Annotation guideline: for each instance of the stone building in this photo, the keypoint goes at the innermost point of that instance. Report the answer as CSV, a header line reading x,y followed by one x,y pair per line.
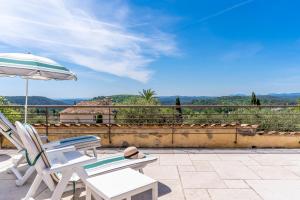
x,y
87,112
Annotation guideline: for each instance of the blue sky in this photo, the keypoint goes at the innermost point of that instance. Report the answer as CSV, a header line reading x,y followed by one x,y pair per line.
x,y
207,47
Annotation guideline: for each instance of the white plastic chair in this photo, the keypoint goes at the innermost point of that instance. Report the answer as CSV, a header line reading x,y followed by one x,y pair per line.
x,y
59,166
88,142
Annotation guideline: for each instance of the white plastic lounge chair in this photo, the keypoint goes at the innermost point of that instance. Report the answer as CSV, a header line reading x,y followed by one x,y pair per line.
x,y
58,167
88,142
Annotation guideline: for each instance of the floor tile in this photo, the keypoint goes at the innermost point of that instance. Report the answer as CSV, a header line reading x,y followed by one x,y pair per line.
x,y
170,190
162,172
276,189
201,180
233,170
274,172
186,168
175,159
204,157
196,194
237,157
233,194
236,184
204,166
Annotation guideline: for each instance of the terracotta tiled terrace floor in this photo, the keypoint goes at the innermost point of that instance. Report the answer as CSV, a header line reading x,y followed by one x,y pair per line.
x,y
198,174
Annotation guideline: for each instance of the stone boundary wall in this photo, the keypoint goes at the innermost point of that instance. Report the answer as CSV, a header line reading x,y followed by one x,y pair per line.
x,y
212,136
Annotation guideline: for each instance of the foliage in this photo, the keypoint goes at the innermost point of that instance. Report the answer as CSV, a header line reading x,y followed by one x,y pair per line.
x,y
116,99
244,100
148,94
12,114
286,119
142,115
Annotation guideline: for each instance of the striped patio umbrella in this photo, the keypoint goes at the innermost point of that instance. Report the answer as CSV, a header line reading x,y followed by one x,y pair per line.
x,y
29,66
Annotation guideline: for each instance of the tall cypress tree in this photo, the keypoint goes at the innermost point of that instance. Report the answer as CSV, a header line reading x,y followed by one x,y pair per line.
x,y
178,111
257,102
253,99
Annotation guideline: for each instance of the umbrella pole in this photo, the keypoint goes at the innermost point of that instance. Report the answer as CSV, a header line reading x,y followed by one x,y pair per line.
x,y
26,101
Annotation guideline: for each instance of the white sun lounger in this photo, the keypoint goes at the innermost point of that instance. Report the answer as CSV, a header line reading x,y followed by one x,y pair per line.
x,y
59,166
88,142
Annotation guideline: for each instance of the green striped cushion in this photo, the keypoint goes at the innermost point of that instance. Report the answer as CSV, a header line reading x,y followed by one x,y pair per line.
x,y
104,161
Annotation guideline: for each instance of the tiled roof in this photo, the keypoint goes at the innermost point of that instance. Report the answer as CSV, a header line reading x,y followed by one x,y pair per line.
x,y
77,109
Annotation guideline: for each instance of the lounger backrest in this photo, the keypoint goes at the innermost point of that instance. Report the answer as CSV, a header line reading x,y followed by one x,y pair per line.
x,y
33,145
10,132
39,144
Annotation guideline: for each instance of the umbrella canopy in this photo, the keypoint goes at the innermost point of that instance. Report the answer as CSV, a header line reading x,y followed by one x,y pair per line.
x,y
29,66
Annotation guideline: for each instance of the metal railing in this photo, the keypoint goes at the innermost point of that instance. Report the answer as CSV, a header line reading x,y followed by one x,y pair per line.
x,y
268,117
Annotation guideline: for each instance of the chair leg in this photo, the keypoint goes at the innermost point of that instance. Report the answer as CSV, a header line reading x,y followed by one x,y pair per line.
x,y
88,194
155,191
14,168
25,177
62,184
95,152
33,188
16,172
86,152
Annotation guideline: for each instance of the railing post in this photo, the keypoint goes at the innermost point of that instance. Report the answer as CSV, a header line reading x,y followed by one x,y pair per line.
x,y
47,122
173,124
236,136
109,124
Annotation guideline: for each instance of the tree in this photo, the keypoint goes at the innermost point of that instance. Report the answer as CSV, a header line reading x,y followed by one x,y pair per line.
x,y
258,102
254,100
13,114
178,111
148,94
143,114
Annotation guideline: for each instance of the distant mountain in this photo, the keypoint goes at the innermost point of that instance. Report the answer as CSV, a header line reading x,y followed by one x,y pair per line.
x,y
286,95
237,99
33,100
170,100
71,101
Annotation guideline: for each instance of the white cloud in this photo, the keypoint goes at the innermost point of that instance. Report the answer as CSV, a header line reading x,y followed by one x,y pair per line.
x,y
94,34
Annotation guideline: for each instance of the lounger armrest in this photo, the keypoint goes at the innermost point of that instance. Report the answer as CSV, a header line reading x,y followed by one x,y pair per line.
x,y
59,154
61,150
51,145
71,164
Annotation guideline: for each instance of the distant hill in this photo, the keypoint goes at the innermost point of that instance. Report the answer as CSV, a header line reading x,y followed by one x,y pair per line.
x,y
245,100
270,99
170,100
33,100
72,101
116,98
286,95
